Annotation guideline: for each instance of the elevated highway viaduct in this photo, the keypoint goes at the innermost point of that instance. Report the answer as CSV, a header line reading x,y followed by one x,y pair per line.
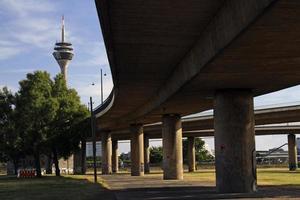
x,y
174,58
268,122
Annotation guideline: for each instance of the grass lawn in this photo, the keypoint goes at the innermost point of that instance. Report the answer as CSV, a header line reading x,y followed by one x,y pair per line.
x,y
275,176
51,188
75,187
265,176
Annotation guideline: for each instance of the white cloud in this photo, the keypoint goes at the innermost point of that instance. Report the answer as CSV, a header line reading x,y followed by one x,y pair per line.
x,y
7,52
26,7
8,48
94,54
25,28
22,71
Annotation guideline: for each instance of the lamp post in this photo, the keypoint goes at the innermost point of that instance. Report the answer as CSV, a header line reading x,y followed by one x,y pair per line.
x,y
93,127
94,139
102,86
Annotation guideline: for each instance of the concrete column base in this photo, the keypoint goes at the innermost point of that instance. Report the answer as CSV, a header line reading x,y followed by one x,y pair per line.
x,y
137,150
172,147
146,155
234,141
106,153
292,147
191,154
115,157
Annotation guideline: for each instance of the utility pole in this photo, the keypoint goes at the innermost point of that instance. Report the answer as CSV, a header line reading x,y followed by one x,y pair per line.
x,y
101,88
94,139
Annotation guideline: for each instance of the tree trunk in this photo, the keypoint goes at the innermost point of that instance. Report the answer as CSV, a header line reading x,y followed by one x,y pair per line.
x,y
49,164
55,160
37,163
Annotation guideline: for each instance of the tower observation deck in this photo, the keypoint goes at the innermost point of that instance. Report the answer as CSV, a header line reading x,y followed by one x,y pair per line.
x,y
63,52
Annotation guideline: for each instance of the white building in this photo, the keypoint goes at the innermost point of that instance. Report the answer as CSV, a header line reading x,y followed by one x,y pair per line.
x,y
89,149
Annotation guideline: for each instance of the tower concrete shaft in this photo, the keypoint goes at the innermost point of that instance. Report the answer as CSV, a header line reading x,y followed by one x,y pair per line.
x,y
63,52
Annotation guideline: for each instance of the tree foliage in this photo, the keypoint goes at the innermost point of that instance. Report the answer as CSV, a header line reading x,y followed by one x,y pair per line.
x,y
43,117
36,110
69,124
156,154
11,146
201,153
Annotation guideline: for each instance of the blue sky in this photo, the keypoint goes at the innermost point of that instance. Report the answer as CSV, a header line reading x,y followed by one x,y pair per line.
x,y
30,28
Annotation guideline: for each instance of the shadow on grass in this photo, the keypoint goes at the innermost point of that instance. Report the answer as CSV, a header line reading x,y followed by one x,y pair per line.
x,y
207,192
51,187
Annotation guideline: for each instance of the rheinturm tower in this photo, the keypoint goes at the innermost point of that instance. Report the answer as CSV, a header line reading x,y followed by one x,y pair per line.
x,y
63,52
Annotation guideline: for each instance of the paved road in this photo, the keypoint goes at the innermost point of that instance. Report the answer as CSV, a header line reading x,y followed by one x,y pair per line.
x,y
152,187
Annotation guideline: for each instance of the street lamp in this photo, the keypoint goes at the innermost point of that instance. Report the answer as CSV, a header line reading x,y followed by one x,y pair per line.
x,y
93,127
94,139
102,86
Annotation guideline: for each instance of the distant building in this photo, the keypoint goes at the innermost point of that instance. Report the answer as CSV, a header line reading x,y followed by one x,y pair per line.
x,y
275,156
272,156
89,149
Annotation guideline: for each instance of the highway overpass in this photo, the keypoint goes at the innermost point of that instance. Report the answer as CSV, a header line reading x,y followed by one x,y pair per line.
x,y
205,122
174,58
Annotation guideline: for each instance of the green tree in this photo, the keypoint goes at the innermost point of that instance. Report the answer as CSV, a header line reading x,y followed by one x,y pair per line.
x,y
201,153
44,117
10,141
36,110
69,125
156,154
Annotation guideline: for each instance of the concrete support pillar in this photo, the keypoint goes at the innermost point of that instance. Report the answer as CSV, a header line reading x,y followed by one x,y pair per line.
x,y
137,150
146,155
293,162
115,157
106,152
234,141
76,161
172,147
191,154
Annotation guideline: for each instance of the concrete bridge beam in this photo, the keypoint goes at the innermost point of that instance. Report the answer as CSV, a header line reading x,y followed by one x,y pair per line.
x,y
172,147
106,152
115,157
137,150
191,154
235,141
292,147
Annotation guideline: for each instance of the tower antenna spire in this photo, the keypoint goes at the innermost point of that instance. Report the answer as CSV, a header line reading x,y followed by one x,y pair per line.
x,y
63,51
63,29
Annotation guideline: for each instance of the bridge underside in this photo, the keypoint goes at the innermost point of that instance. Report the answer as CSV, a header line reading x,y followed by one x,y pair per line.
x,y
173,58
